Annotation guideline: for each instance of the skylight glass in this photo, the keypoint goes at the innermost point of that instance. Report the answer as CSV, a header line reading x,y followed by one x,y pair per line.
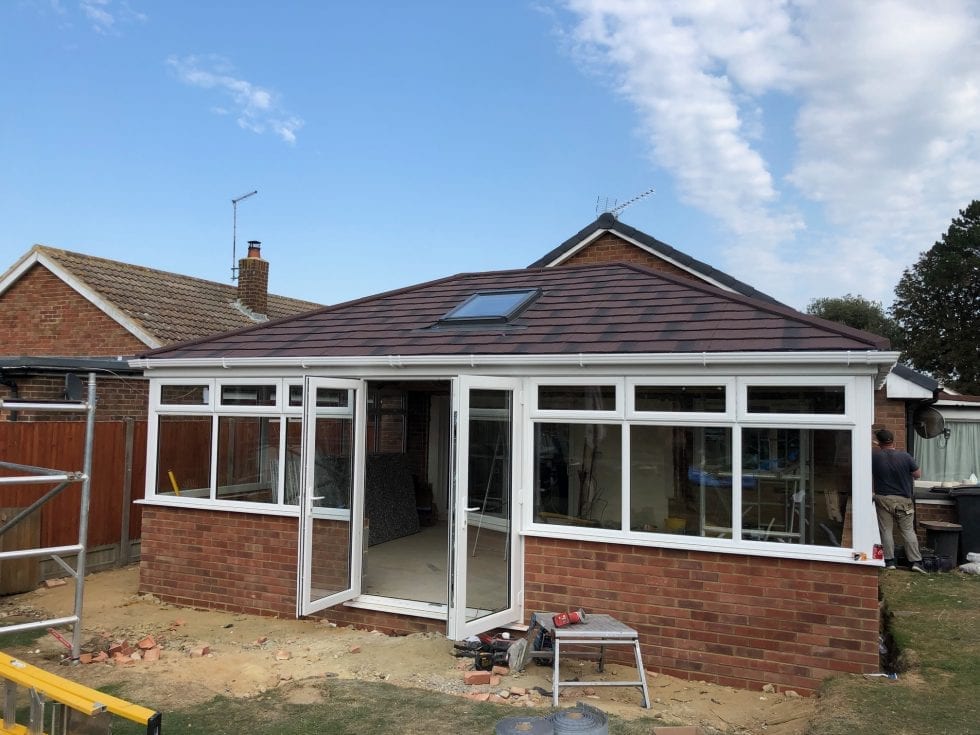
x,y
491,306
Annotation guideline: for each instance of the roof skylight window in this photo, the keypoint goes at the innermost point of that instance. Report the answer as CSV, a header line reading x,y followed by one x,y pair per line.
x,y
491,307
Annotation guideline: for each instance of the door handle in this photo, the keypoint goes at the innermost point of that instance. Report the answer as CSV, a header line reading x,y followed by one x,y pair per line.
x,y
319,497
473,509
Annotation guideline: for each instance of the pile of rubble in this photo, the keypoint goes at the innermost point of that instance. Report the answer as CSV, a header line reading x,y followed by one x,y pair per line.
x,y
121,652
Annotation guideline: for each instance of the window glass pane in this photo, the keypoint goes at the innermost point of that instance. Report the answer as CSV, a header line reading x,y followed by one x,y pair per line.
x,y
796,485
294,468
184,456
577,397
578,474
815,399
248,395
705,398
325,397
492,306
681,480
248,458
184,395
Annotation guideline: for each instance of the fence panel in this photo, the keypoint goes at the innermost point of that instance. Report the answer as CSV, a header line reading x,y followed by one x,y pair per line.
x,y
61,445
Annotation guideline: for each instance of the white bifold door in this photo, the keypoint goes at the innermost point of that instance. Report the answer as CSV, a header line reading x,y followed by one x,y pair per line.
x,y
483,550
331,497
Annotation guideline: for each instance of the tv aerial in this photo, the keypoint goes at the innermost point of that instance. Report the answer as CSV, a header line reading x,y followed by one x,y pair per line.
x,y
234,232
614,208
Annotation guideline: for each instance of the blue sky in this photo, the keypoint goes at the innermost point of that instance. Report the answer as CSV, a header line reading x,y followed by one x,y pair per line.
x,y
809,148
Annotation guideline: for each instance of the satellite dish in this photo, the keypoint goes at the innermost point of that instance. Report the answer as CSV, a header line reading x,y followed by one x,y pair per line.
x,y
929,423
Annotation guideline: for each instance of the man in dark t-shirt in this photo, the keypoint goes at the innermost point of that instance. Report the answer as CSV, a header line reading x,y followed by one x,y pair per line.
x,y
893,473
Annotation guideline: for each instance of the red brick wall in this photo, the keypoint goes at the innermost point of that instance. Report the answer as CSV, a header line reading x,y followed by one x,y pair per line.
x,y
116,397
890,414
944,510
41,315
223,561
608,248
735,620
240,562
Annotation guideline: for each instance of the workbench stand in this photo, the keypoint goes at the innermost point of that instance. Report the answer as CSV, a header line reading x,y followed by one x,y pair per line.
x,y
597,630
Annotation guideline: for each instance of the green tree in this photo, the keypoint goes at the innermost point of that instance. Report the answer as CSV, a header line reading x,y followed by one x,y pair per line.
x,y
937,306
857,312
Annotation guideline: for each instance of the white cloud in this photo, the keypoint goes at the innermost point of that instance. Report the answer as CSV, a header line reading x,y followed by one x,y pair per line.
x,y
886,135
104,14
255,108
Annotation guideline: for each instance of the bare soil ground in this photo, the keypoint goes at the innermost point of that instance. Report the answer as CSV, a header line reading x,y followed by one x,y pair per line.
x,y
249,655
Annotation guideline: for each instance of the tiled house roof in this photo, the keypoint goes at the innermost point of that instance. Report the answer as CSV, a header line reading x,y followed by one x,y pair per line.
x,y
607,223
612,308
159,306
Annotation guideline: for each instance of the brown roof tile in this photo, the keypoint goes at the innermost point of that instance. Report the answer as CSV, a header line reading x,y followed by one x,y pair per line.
x,y
606,308
172,307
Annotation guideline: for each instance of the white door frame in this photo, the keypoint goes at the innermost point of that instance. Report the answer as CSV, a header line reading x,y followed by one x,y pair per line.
x,y
457,625
306,604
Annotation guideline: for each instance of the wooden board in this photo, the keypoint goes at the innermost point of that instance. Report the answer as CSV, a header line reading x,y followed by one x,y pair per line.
x,y
19,575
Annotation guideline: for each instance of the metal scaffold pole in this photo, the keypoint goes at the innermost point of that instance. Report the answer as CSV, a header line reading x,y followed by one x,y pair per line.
x,y
76,638
38,475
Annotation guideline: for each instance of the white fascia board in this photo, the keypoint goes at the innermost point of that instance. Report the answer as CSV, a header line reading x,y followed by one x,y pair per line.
x,y
118,316
899,388
850,359
646,248
569,253
18,269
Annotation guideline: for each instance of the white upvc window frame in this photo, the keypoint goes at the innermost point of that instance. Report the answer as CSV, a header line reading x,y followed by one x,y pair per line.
x,y
276,408
736,418
157,407
580,416
682,417
744,416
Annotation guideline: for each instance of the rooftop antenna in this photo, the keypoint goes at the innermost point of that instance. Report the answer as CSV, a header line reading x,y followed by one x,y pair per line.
x,y
629,202
234,232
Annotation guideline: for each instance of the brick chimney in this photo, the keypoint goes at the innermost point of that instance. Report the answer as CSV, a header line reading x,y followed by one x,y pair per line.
x,y
253,279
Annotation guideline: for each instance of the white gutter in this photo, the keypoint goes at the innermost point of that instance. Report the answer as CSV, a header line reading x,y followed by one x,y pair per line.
x,y
848,358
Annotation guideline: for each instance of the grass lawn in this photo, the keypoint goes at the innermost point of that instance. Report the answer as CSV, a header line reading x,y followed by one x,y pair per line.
x,y
935,621
352,708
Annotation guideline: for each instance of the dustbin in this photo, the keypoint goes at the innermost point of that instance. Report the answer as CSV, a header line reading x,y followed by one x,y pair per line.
x,y
943,538
967,499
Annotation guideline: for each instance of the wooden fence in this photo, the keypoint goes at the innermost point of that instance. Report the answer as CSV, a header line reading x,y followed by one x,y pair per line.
x,y
118,471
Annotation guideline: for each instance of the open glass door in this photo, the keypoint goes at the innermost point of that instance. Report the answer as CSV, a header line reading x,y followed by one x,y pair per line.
x,y
484,556
331,497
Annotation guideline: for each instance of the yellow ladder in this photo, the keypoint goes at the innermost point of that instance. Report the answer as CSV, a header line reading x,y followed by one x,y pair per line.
x,y
43,686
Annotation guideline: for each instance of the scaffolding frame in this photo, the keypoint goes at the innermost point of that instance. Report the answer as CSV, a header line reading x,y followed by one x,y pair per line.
x,y
63,478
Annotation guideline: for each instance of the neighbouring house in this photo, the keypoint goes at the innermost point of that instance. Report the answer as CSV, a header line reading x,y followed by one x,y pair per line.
x,y
954,457
66,314
455,455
